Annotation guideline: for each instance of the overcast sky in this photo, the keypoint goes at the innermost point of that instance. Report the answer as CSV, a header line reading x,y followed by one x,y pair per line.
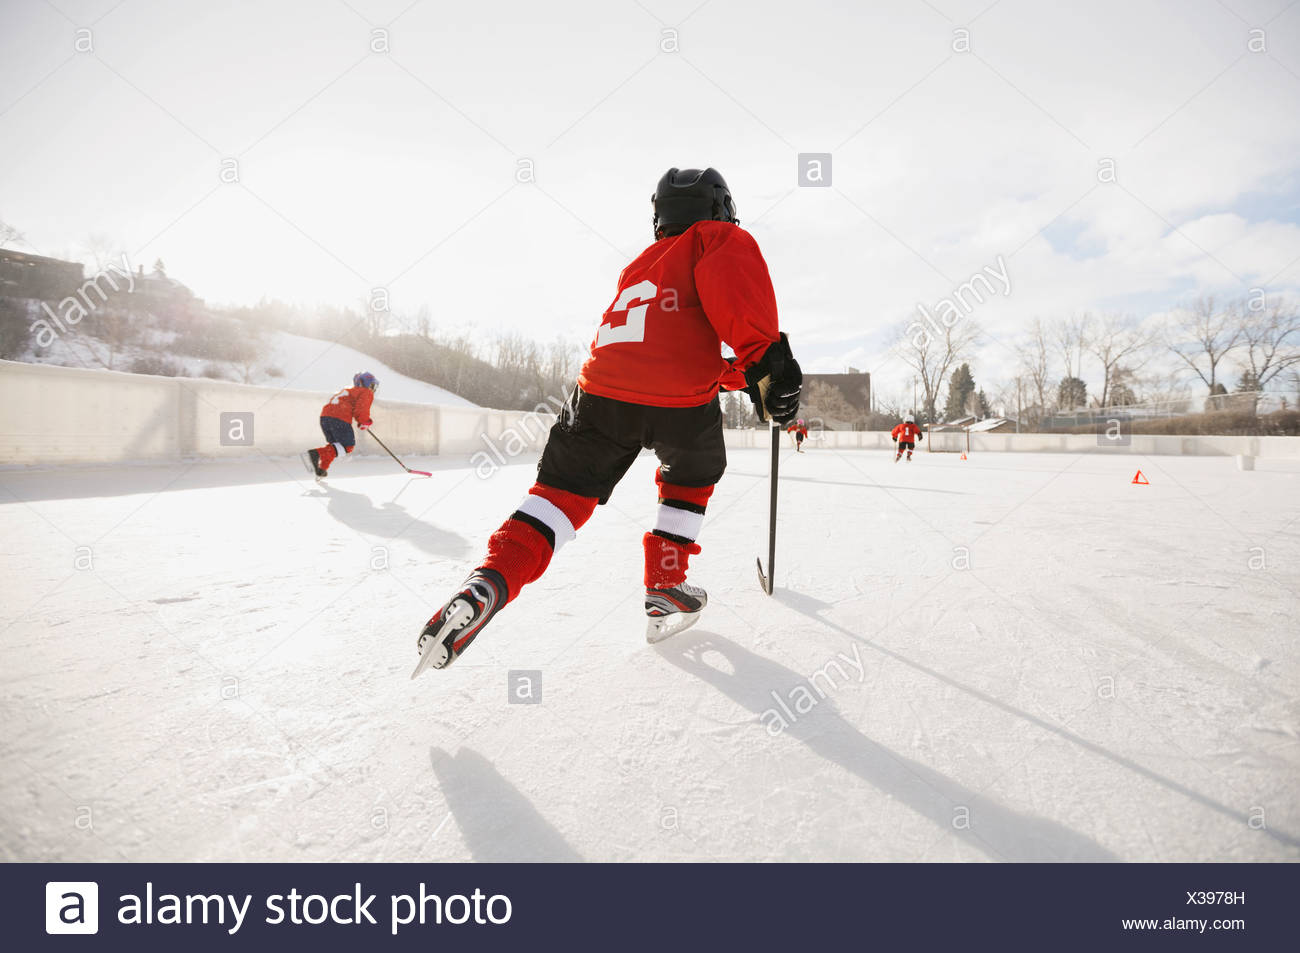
x,y
398,168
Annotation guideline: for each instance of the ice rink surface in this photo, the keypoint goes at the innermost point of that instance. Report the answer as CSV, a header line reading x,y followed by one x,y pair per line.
x,y
1013,657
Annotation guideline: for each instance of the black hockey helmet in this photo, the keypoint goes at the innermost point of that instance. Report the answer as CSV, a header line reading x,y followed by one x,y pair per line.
x,y
686,196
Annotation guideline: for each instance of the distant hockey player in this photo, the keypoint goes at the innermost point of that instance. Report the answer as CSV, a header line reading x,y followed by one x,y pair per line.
x,y
652,381
351,403
798,432
905,436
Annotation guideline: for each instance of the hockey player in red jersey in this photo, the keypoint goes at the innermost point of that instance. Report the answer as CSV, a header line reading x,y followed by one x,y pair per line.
x,y
351,403
798,432
905,436
651,381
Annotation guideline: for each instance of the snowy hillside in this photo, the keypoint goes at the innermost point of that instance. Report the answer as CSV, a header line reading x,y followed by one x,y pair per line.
x,y
274,357
1014,657
311,364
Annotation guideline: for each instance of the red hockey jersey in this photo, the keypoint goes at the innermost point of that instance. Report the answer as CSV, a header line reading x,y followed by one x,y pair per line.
x,y
660,341
351,403
905,432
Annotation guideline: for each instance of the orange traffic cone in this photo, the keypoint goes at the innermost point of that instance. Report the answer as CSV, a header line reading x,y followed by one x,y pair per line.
x,y
1141,480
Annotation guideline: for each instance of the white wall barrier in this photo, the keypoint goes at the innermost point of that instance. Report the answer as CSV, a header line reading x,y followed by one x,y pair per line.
x,y
70,415
1138,444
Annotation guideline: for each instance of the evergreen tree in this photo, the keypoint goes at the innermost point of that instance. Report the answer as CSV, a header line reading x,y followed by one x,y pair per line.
x,y
1122,390
1072,393
960,388
1121,395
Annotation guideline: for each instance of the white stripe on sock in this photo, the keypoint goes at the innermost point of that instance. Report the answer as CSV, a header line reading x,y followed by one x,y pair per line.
x,y
679,522
538,507
341,450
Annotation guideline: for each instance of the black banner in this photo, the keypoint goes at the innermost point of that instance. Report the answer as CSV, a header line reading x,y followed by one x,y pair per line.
x,y
648,907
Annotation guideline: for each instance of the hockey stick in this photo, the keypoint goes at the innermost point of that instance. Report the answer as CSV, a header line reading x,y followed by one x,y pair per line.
x,y
768,580
394,456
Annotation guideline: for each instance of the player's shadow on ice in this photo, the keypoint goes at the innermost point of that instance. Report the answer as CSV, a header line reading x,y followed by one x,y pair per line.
x,y
813,607
498,823
391,522
998,831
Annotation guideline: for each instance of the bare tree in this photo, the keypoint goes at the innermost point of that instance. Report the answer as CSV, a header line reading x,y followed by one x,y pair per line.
x,y
1008,398
933,355
1165,387
1271,336
1034,379
1071,336
115,331
893,403
1202,335
1118,340
9,235
736,411
103,249
250,352
563,359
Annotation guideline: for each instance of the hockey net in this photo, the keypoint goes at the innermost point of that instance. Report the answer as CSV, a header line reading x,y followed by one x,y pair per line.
x,y
947,441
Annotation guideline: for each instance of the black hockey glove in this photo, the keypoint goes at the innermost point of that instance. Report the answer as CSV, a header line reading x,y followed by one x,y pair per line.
x,y
774,383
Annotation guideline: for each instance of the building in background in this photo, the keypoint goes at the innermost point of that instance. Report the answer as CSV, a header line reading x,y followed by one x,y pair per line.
x,y
154,288
854,386
35,276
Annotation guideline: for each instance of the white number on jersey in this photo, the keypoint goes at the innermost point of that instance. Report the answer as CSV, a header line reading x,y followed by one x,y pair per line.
x,y
633,330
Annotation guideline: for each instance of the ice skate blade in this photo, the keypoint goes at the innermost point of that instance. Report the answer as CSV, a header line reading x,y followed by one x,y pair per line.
x,y
434,655
663,627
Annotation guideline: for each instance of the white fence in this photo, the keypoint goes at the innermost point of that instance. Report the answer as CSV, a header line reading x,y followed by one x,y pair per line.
x,y
69,415
1138,444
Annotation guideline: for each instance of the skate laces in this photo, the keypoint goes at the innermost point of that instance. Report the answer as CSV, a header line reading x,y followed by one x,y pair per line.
x,y
689,590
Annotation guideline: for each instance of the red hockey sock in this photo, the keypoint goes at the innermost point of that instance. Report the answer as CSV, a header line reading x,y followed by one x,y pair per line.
x,y
697,496
666,560
547,519
327,454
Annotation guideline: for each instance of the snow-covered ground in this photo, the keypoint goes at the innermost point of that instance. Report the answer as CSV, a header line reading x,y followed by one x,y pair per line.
x,y
312,364
284,361
222,674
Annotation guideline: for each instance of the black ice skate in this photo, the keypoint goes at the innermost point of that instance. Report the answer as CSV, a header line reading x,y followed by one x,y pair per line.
x,y
674,610
312,459
456,624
